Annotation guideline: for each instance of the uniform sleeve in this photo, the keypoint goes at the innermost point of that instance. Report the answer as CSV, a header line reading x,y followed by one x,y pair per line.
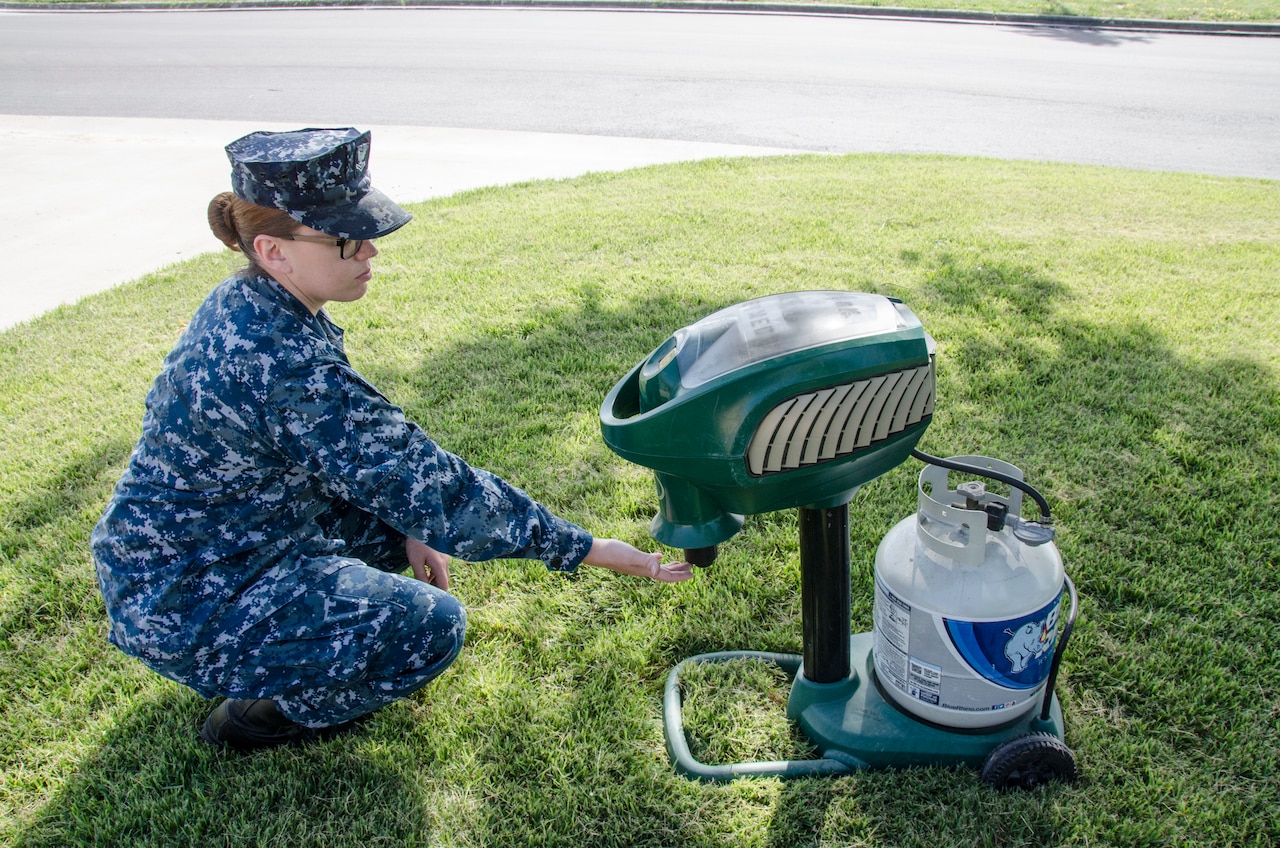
x,y
336,426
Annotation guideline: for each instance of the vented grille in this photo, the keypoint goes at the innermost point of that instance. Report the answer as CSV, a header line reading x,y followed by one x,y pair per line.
x,y
821,426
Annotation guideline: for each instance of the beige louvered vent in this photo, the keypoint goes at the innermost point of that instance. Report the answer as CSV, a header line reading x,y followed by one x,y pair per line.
x,y
821,426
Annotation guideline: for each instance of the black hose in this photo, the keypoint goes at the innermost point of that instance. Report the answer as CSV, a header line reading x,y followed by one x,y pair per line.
x,y
978,470
1061,650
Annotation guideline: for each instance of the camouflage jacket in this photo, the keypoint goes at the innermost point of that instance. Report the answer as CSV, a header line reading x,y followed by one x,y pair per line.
x,y
255,425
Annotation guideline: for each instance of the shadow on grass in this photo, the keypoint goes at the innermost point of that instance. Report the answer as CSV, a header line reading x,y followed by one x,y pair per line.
x,y
35,530
152,782
64,494
1162,472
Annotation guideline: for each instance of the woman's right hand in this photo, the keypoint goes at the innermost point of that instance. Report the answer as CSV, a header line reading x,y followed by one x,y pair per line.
x,y
623,558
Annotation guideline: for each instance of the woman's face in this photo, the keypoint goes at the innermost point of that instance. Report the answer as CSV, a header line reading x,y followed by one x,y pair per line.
x,y
315,272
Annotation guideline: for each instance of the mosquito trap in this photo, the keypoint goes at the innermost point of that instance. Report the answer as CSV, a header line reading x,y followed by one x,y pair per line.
x,y
794,401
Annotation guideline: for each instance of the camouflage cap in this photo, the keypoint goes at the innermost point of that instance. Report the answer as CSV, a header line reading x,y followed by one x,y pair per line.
x,y
319,176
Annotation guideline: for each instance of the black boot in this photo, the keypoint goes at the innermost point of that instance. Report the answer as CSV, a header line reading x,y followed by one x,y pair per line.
x,y
247,725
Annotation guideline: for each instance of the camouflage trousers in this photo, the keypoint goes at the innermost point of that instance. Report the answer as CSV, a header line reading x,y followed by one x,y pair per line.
x,y
359,638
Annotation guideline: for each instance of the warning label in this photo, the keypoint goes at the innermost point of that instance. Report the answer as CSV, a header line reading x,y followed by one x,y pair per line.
x,y
893,631
924,681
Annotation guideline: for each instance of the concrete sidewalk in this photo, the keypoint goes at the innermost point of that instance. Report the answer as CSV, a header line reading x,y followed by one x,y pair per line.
x,y
95,202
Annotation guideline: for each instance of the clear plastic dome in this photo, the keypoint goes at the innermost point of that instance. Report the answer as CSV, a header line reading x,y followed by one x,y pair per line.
x,y
772,326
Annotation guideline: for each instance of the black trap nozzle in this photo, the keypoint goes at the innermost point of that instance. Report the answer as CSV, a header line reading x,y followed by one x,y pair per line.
x,y
701,557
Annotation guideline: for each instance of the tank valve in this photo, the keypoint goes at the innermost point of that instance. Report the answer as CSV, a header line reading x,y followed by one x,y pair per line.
x,y
974,491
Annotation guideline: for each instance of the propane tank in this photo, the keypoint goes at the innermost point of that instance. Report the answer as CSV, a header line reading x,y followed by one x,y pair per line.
x,y
967,602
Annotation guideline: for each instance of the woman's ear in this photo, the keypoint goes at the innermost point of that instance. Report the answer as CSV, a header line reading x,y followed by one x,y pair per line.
x,y
270,257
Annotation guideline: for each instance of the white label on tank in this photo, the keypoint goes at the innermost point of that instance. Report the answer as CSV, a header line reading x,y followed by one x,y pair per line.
x,y
925,681
892,634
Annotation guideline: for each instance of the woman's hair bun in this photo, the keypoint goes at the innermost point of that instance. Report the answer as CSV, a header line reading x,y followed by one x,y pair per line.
x,y
222,221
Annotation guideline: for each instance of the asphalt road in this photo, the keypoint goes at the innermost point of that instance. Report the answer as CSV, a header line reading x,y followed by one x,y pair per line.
x,y
534,88
1208,104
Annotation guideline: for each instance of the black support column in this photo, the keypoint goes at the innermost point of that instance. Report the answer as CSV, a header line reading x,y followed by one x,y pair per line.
x,y
824,593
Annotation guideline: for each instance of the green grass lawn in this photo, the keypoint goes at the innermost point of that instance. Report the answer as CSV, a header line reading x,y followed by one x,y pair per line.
x,y
1114,333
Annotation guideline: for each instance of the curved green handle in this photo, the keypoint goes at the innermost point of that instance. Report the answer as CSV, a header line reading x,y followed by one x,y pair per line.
x,y
678,748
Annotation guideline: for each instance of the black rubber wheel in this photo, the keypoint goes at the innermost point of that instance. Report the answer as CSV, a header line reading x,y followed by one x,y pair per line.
x,y
1029,761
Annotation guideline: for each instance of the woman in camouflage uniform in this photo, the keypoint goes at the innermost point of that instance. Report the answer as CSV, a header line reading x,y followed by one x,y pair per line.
x,y
252,549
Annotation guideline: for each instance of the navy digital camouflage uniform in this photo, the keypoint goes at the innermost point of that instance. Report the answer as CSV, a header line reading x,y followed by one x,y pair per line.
x,y
320,177
251,546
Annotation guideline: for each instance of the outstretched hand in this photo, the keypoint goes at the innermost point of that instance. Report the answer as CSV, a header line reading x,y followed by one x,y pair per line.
x,y
623,558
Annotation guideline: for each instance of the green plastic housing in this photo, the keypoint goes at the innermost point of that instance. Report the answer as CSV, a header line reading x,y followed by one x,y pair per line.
x,y
790,400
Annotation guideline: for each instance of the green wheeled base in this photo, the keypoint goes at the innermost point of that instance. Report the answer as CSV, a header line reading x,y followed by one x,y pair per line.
x,y
854,727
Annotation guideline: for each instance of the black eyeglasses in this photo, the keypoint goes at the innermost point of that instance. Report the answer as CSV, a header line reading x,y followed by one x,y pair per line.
x,y
347,248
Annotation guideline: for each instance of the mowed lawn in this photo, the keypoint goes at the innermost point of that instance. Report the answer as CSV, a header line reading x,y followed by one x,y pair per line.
x,y
1114,333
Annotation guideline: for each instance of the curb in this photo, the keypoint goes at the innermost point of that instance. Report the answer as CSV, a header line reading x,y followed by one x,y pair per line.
x,y
1233,28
